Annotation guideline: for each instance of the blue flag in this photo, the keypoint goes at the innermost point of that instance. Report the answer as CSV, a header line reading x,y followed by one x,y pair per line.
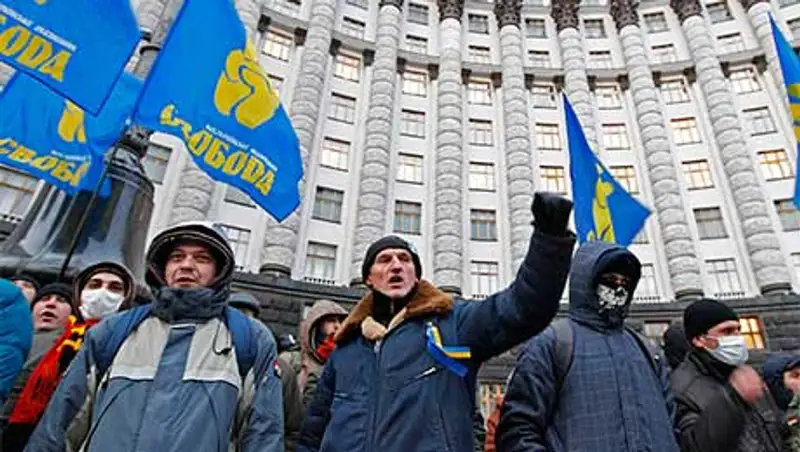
x,y
790,67
77,48
51,138
208,89
603,209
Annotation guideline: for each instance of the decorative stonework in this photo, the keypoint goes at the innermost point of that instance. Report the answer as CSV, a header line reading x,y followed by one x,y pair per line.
x,y
758,13
576,82
565,14
747,4
451,9
624,13
686,9
508,12
396,3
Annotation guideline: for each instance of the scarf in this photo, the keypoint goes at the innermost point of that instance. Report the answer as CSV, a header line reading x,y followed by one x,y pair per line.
x,y
45,378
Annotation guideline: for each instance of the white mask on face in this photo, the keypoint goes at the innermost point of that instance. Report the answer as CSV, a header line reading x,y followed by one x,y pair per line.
x,y
99,303
732,350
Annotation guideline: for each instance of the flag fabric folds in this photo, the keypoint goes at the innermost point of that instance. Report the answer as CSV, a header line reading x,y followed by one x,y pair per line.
x,y
790,68
77,48
603,209
208,88
53,139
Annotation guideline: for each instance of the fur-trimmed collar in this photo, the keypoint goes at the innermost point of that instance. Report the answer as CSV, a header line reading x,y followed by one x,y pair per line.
x,y
428,300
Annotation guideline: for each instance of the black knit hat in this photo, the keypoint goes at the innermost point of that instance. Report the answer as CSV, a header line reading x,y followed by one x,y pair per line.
x,y
26,277
702,315
57,288
390,241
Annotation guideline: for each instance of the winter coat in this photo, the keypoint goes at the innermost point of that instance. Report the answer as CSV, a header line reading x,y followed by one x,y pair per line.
x,y
293,411
611,399
774,367
172,386
387,392
793,424
16,334
311,362
713,418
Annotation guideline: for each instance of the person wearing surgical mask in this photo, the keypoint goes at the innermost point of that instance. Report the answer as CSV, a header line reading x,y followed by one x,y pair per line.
x,y
99,291
723,404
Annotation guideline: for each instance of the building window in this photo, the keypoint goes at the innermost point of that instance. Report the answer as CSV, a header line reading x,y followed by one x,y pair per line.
x,y
655,331
608,96
626,176
155,163
675,91
480,132
751,330
413,123
594,28
788,214
535,28
359,3
794,27
684,131
539,58
478,23
775,164
236,196
407,217
600,59
343,108
698,174
615,137
553,179
239,239
275,82
759,120
417,13
334,153
16,192
352,27
785,3
744,81
416,44
718,12
481,176
480,54
409,168
328,205
796,264
709,223
347,67
648,284
664,53
544,95
483,224
731,43
723,277
484,280
277,45
655,22
415,83
548,137
479,93
321,262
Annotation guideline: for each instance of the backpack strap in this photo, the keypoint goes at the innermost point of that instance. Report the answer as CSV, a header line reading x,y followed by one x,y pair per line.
x,y
243,340
124,326
562,352
649,348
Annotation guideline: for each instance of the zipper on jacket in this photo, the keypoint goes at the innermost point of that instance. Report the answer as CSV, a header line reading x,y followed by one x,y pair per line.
x,y
378,349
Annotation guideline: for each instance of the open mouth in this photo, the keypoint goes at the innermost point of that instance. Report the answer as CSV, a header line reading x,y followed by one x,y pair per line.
x,y
48,316
185,280
396,280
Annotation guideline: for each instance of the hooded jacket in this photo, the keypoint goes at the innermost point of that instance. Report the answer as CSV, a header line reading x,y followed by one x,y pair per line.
x,y
312,363
174,384
774,367
16,334
390,392
611,400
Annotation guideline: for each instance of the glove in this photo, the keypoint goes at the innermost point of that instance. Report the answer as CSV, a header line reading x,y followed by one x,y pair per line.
x,y
551,213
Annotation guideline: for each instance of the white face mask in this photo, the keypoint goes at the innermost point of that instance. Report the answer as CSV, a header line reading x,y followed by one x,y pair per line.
x,y
732,350
99,303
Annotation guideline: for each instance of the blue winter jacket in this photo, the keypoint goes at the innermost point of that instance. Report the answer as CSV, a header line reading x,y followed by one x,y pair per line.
x,y
611,400
16,334
393,395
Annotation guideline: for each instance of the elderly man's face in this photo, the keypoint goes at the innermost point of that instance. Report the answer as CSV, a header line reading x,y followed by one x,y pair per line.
x,y
393,273
190,265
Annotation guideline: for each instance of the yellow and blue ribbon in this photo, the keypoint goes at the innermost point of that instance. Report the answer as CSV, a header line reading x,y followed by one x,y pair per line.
x,y
448,356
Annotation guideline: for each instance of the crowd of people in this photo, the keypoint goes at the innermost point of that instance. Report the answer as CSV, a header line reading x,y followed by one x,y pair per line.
x,y
93,365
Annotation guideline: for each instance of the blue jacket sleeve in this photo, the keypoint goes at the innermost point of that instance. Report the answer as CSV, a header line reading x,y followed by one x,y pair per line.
x,y
263,431
16,335
505,319
530,398
318,414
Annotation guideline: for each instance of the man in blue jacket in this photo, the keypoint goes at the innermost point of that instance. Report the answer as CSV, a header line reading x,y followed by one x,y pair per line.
x,y
610,392
16,334
402,377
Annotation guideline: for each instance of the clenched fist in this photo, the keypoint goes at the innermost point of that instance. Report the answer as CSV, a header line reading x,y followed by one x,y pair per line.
x,y
747,383
551,213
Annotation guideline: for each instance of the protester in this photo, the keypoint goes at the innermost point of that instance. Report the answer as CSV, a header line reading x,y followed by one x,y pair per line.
x,y
723,405
675,346
28,284
16,334
490,445
403,375
292,407
52,306
100,290
589,383
183,373
782,374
